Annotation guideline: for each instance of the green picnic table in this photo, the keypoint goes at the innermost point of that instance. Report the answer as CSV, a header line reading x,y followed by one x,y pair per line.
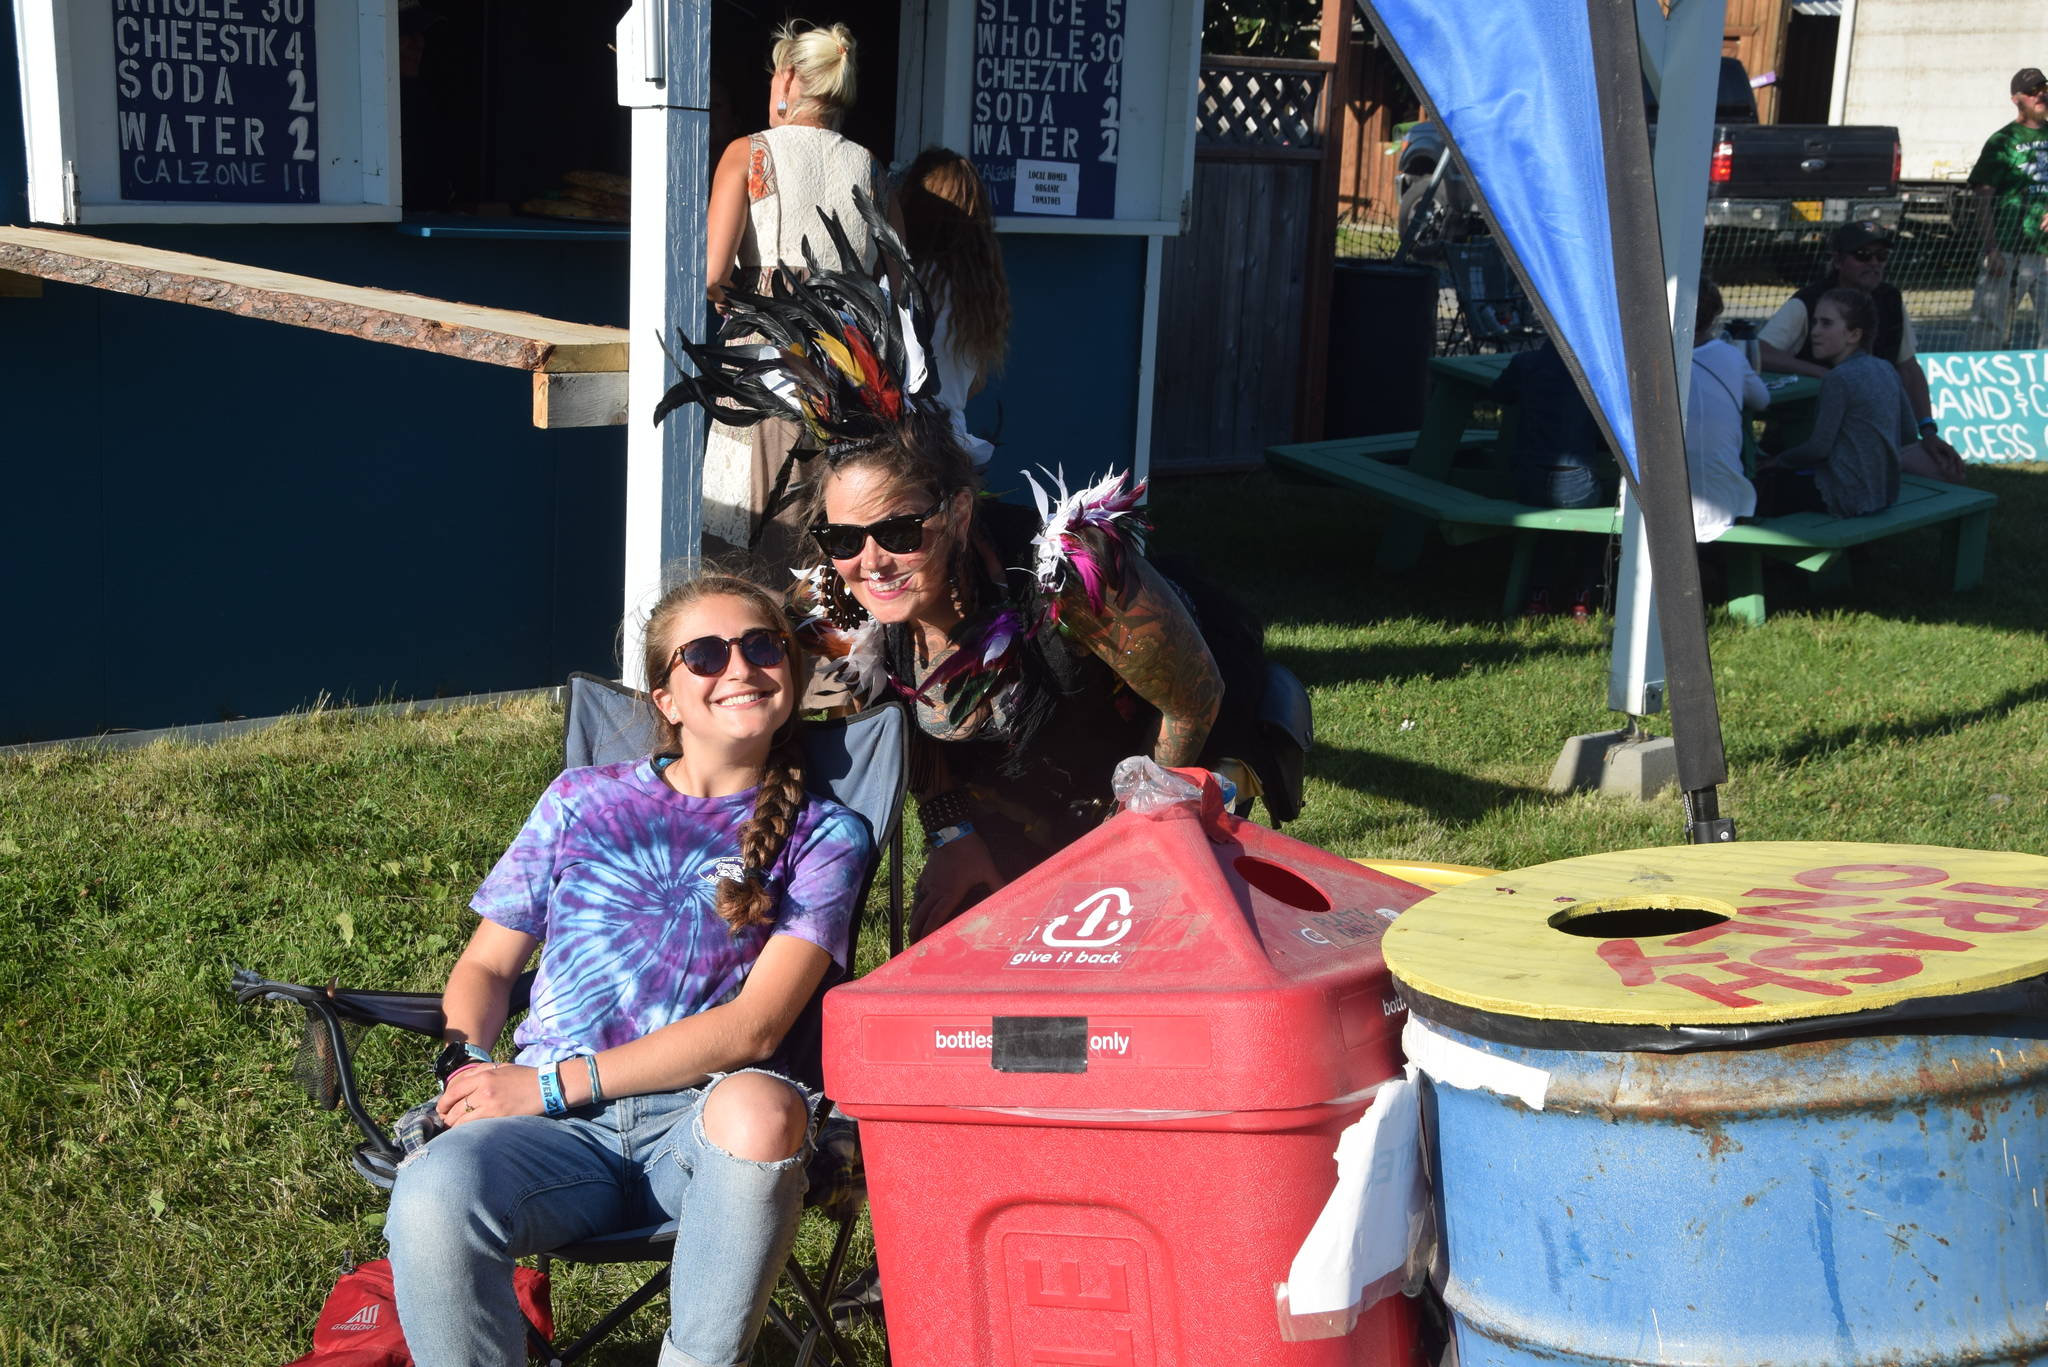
x,y
1459,385
1427,486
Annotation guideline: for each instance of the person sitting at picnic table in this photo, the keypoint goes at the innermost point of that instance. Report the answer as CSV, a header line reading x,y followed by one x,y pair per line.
x,y
1036,649
1860,254
1724,392
1850,465
1556,463
685,907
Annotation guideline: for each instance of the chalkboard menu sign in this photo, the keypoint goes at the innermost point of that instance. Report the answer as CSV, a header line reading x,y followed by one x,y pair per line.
x,y
215,101
1043,112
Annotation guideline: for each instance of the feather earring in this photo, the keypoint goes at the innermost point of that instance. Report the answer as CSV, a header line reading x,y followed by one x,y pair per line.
x,y
842,609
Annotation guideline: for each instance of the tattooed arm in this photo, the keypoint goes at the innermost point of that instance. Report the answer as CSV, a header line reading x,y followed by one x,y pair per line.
x,y
1146,635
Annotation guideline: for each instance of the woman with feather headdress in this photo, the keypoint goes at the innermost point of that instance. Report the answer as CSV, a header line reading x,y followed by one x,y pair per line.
x,y
1036,648
766,194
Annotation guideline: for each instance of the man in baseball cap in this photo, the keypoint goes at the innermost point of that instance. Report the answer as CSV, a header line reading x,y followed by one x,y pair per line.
x,y
1860,252
2011,183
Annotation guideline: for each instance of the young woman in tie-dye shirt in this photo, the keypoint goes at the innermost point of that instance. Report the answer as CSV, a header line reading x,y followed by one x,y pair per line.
x,y
686,907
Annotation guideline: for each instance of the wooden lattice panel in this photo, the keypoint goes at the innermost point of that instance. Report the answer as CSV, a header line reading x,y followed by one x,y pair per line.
x,y
1260,106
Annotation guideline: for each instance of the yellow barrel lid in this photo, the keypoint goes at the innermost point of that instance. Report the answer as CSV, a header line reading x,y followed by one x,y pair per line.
x,y
1725,934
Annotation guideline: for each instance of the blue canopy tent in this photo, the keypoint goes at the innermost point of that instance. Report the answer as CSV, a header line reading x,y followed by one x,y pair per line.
x,y
1543,101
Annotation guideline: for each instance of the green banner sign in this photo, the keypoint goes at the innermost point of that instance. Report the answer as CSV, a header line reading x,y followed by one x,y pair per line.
x,y
1992,405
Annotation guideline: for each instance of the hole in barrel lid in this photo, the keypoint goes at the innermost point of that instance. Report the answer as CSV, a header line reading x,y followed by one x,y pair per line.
x,y
1280,883
1638,918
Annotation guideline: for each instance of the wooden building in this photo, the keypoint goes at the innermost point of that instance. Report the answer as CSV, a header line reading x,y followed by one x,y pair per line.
x,y
226,507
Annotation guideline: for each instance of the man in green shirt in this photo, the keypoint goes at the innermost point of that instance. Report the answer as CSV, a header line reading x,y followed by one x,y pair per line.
x,y
2011,184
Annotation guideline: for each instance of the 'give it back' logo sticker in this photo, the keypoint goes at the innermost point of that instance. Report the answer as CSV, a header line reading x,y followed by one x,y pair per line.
x,y
1084,927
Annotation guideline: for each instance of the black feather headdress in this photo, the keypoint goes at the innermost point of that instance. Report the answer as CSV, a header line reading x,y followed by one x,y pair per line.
x,y
832,351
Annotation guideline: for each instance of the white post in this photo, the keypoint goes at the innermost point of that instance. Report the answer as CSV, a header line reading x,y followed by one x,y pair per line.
x,y
1686,74
1845,42
664,51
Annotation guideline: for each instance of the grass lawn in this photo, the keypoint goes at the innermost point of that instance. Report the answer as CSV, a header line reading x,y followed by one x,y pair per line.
x,y
180,1202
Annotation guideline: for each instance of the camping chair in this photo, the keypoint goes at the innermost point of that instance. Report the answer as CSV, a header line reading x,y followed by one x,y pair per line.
x,y
861,763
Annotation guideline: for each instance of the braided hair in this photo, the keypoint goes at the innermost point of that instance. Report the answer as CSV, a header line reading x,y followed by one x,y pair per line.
x,y
779,799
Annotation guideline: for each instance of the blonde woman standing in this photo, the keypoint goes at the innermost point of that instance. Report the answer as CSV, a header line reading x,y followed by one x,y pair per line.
x,y
766,194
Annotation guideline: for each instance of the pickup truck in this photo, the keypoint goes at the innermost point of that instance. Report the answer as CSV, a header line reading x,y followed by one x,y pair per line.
x,y
1789,181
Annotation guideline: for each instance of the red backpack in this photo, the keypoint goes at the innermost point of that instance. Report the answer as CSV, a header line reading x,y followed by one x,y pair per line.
x,y
358,1327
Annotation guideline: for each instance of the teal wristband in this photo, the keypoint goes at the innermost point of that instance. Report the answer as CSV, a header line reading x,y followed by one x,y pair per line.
x,y
596,1088
1929,424
551,1099
941,838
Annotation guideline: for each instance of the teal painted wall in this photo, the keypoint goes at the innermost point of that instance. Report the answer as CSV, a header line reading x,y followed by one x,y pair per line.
x,y
212,517
1068,396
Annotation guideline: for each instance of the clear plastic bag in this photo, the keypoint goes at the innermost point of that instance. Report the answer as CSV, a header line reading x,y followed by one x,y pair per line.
x,y
1141,785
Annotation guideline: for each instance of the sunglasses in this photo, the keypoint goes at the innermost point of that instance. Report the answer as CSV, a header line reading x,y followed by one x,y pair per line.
x,y
707,655
896,535
1869,254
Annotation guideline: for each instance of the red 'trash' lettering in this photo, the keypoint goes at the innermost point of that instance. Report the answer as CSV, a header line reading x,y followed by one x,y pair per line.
x,y
1750,975
1910,876
1637,969
1981,917
1866,935
2037,896
1797,901
1882,968
1741,927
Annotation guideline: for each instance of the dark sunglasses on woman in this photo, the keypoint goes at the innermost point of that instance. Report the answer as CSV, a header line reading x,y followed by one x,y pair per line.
x,y
707,655
897,535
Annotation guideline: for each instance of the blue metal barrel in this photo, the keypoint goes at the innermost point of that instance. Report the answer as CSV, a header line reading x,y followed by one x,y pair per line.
x,y
1875,1199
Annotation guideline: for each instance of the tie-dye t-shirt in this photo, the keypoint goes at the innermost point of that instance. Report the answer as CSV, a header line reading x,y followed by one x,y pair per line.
x,y
618,873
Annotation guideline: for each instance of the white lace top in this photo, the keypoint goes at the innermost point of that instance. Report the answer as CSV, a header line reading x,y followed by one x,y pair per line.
x,y
792,172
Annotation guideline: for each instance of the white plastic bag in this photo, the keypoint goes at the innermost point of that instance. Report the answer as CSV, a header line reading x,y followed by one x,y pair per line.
x,y
1359,1250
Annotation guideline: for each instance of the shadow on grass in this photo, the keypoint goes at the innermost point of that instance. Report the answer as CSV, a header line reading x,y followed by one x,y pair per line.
x,y
1303,555
1813,744
1443,793
1373,663
1906,578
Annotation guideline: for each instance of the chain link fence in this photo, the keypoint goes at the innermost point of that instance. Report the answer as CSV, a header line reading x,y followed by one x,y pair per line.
x,y
1935,263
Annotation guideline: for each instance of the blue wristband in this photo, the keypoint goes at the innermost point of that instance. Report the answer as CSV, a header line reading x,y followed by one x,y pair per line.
x,y
551,1098
948,834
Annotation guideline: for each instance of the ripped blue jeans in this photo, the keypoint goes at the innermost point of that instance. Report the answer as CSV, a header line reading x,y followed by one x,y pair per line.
x,y
483,1194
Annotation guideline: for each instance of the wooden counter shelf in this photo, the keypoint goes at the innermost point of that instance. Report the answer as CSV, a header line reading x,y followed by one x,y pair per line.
x,y
579,369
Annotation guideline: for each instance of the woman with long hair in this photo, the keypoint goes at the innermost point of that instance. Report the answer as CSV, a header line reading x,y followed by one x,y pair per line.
x,y
1850,463
1037,649
685,906
767,194
951,233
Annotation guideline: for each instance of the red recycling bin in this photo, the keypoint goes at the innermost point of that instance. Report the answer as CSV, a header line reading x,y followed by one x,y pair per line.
x,y
1099,1112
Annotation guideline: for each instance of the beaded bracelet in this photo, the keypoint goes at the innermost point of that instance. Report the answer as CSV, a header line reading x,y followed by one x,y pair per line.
x,y
942,809
551,1099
